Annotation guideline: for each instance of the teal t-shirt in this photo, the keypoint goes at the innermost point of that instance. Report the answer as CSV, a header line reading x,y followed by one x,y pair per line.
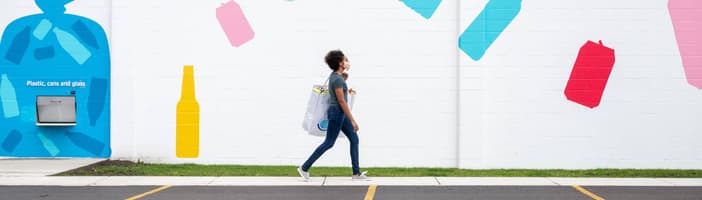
x,y
336,81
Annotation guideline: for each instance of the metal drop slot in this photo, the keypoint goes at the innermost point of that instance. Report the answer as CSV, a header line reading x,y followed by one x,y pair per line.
x,y
56,111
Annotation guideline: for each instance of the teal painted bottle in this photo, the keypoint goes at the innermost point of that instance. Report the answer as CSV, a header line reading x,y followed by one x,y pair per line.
x,y
8,98
73,46
485,29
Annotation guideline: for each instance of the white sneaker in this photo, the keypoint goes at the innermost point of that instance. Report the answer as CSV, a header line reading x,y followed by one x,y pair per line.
x,y
361,177
305,175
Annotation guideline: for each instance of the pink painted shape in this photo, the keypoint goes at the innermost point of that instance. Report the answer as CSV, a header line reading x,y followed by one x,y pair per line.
x,y
687,22
234,23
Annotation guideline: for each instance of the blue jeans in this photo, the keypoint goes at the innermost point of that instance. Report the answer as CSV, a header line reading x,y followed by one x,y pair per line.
x,y
337,122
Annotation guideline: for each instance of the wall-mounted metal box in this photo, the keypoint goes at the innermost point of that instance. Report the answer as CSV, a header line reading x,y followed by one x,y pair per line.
x,y
56,110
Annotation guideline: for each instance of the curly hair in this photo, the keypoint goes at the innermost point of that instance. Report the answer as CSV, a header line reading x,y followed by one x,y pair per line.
x,y
334,58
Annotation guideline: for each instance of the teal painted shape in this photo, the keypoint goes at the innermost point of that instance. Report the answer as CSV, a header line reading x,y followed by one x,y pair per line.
x,y
27,113
8,97
42,29
48,144
485,29
72,46
425,8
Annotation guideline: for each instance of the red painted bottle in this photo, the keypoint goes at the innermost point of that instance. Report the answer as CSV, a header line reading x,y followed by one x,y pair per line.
x,y
590,74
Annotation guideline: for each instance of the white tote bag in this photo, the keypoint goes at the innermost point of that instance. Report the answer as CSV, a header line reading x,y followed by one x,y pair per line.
x,y
315,122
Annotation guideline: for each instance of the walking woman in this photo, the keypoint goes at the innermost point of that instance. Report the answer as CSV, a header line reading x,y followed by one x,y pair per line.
x,y
339,116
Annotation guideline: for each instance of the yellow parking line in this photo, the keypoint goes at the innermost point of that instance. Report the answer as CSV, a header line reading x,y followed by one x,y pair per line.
x,y
370,193
588,193
149,192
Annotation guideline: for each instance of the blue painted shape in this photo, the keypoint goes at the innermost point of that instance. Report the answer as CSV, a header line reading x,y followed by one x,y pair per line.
x,y
72,46
27,113
52,7
61,67
19,46
44,53
10,106
425,8
85,34
86,143
48,144
485,29
96,99
11,141
42,29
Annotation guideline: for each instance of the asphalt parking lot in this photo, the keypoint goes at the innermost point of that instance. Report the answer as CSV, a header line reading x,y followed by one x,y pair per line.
x,y
349,192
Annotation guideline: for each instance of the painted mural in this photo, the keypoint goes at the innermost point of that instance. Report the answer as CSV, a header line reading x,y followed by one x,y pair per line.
x,y
234,23
590,74
485,28
54,54
425,8
188,118
687,23
57,54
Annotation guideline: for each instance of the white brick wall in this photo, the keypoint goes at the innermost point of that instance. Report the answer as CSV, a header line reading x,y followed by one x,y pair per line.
x,y
422,102
514,113
253,97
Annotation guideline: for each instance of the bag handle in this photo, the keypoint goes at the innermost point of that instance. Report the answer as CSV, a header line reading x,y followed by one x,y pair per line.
x,y
325,82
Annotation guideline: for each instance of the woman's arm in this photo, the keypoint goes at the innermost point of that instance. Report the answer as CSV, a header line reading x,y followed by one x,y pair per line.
x,y
345,107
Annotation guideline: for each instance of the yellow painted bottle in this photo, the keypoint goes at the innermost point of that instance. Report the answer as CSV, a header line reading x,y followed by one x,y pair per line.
x,y
188,118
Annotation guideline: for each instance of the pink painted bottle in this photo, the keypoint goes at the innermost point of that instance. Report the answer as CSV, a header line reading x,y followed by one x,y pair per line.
x,y
234,23
687,23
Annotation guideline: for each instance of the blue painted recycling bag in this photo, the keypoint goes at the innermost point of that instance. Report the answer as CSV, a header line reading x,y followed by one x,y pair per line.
x,y
54,54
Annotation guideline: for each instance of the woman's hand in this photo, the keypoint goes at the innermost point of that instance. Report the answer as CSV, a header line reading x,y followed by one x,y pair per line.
x,y
355,126
344,106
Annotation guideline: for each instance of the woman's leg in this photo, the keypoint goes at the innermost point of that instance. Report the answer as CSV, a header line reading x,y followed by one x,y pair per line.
x,y
347,128
333,128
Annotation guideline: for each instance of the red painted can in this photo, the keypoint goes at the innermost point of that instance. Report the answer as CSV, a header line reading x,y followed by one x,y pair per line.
x,y
590,74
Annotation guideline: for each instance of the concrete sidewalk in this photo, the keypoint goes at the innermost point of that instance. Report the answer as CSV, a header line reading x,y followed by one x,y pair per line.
x,y
41,167
338,181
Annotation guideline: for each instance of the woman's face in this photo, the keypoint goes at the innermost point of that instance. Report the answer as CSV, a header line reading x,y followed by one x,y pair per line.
x,y
345,64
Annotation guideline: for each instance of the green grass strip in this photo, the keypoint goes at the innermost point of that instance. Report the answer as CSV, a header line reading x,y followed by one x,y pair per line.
x,y
124,168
